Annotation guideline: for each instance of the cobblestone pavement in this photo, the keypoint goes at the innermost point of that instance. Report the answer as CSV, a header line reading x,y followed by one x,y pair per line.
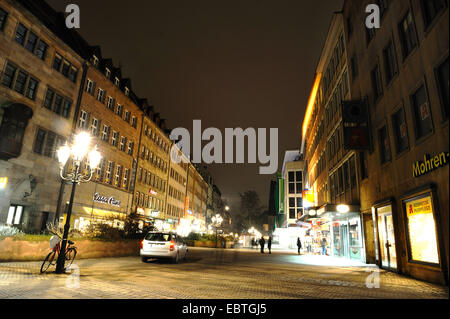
x,y
213,274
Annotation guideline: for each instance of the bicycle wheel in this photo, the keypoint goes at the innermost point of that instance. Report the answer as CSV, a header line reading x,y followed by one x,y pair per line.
x,y
48,261
70,256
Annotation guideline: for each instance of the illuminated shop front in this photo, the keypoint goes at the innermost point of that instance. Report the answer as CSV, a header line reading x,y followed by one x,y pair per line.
x,y
340,226
420,233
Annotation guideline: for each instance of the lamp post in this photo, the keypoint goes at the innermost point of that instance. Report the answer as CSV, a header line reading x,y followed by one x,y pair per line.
x,y
217,221
78,151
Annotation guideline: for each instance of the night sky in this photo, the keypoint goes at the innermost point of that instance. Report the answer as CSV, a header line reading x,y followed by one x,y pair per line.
x,y
230,63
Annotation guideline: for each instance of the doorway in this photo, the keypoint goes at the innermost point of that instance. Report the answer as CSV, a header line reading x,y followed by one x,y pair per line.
x,y
386,236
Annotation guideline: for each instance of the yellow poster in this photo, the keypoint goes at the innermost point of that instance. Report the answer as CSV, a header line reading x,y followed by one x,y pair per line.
x,y
419,206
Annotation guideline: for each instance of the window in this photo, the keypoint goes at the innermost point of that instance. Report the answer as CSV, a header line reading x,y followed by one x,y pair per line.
x,y
109,172
57,62
46,143
100,171
48,101
73,74
8,75
376,83
41,50
127,91
32,88
101,95
90,86
105,133
295,180
407,34
123,143
443,86
127,116
130,148
117,81
118,177
66,108
133,122
107,73
111,103
94,60
400,131
115,138
125,178
21,33
421,234
422,113
3,17
31,42
14,215
58,104
431,8
385,149
119,110
83,119
390,62
20,82
94,126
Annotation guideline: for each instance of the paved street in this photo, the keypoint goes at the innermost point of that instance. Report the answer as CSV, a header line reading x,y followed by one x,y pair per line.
x,y
212,274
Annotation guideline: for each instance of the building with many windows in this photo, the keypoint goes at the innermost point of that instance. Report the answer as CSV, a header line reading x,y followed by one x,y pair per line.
x,y
40,75
54,85
401,72
331,174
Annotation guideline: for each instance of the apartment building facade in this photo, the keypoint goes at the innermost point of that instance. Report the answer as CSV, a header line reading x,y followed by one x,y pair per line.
x,y
401,72
40,78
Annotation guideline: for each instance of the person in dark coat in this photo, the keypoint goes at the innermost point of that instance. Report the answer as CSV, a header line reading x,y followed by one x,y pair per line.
x,y
269,245
262,243
299,244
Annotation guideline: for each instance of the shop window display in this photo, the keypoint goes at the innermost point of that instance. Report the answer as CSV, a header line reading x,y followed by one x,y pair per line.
x,y
421,226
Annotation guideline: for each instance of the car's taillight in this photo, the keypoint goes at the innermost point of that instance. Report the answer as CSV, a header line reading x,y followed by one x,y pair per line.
x,y
172,246
142,244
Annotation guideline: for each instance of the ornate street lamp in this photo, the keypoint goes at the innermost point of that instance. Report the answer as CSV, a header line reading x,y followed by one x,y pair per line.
x,y
78,151
217,221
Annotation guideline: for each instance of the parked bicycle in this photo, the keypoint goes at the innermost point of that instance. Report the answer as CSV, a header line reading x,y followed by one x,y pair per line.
x,y
52,257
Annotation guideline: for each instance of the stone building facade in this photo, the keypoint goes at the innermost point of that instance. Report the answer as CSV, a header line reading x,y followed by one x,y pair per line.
x,y
55,85
401,72
40,77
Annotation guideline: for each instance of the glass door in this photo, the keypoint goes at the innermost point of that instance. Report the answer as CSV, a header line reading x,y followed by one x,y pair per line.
x,y
387,238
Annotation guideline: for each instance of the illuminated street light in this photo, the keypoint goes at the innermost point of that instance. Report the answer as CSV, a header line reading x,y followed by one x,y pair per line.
x,y
217,221
343,209
78,152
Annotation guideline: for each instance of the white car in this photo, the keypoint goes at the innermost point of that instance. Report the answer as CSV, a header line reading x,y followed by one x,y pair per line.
x,y
163,245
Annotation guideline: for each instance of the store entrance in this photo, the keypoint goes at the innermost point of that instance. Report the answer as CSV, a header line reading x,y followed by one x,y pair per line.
x,y
387,238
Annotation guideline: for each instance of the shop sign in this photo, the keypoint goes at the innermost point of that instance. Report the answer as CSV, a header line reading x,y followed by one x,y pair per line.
x,y
430,164
106,200
152,192
3,182
155,213
420,206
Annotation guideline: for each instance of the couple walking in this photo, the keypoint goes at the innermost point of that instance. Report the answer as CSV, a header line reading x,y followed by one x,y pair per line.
x,y
262,242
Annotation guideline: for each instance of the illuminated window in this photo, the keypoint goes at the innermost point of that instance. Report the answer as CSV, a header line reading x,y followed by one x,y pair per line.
x,y
421,226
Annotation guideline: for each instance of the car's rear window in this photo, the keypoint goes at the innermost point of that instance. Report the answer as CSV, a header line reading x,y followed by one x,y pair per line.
x,y
158,237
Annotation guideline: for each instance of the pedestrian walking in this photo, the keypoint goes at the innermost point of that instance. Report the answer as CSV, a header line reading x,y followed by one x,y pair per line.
x,y
299,244
269,245
324,246
262,242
